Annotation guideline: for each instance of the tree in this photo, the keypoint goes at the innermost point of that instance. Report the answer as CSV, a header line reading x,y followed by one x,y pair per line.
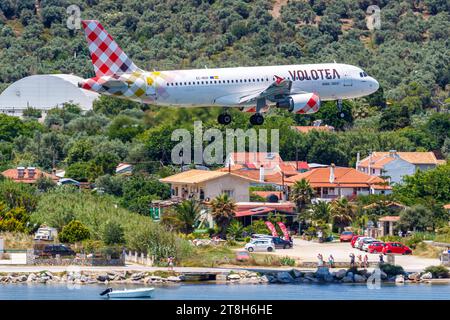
x,y
417,218
235,229
301,194
395,117
223,210
187,214
45,183
124,128
113,233
320,211
73,232
342,213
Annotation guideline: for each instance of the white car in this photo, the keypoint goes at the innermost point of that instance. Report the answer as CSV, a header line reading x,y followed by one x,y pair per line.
x,y
361,240
260,245
367,243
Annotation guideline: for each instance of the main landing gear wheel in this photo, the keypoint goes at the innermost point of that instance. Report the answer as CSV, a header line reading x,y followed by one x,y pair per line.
x,y
224,118
339,105
257,119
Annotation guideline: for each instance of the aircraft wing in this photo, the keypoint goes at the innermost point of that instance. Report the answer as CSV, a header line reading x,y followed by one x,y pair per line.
x,y
280,87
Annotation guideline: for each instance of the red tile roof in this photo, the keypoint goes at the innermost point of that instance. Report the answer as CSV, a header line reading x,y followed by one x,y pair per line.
x,y
343,177
13,174
265,194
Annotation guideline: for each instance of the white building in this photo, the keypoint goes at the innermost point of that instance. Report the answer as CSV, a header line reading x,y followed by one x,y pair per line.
x,y
395,165
44,92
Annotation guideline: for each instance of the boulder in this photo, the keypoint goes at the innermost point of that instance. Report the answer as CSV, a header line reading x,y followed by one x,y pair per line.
x,y
137,276
264,279
22,278
359,278
414,276
297,273
251,275
340,274
233,276
322,273
31,277
383,275
399,279
426,276
348,278
173,279
102,277
284,277
328,278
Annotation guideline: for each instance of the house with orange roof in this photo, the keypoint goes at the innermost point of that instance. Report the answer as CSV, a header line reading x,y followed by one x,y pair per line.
x,y
335,182
27,175
205,185
395,165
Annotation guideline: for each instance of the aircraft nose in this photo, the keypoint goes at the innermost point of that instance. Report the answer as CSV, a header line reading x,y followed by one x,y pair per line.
x,y
373,84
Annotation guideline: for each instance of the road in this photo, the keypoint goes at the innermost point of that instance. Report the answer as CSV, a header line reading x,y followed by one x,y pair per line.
x,y
308,251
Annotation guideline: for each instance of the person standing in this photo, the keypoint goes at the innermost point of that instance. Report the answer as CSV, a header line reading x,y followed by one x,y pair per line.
x,y
320,260
170,263
360,264
366,261
331,261
352,260
381,258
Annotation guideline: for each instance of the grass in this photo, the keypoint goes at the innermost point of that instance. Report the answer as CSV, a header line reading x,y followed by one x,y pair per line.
x,y
425,250
17,240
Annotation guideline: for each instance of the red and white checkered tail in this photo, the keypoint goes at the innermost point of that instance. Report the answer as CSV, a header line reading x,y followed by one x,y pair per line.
x,y
107,57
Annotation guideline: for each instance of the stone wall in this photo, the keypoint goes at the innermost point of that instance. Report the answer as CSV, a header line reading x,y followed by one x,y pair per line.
x,y
81,260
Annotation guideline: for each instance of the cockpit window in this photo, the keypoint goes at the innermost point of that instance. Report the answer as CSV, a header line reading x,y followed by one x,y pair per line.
x,y
363,74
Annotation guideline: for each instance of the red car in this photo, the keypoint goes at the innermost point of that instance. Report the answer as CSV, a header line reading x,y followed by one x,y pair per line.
x,y
396,247
346,236
354,240
376,247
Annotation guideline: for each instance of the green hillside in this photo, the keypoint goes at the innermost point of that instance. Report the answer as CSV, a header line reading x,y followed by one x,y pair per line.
x,y
411,46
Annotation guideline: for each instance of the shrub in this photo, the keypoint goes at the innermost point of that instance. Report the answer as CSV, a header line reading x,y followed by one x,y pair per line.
x,y
113,233
73,232
391,270
438,271
287,261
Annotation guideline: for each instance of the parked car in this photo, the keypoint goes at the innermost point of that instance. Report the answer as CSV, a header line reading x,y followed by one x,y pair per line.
x,y
361,240
366,243
281,243
354,239
260,245
396,247
346,236
376,247
52,250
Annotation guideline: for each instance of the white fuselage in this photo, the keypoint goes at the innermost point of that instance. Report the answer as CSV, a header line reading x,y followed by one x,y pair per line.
x,y
226,86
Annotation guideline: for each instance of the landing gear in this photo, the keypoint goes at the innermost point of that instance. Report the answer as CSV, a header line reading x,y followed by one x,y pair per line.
x,y
224,118
257,119
339,105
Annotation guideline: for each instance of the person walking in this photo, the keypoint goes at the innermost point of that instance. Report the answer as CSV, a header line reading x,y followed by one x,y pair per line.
x,y
331,261
360,264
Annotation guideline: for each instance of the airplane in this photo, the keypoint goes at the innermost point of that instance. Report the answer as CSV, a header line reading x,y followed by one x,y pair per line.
x,y
296,88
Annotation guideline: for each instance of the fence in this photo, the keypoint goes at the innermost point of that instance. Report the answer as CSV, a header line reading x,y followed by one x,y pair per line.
x,y
139,258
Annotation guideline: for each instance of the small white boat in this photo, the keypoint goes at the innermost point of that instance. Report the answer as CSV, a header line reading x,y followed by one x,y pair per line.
x,y
127,294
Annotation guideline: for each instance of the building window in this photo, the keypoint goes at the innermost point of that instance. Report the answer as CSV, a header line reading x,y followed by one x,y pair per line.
x,y
229,193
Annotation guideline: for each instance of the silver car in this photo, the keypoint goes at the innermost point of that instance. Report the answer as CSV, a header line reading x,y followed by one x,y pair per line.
x,y
260,245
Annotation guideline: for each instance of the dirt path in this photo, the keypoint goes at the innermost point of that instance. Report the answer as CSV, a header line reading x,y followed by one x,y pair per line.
x,y
275,12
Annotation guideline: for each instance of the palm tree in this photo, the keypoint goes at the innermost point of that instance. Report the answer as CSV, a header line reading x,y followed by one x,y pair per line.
x,y
342,213
235,229
187,213
222,210
301,193
321,211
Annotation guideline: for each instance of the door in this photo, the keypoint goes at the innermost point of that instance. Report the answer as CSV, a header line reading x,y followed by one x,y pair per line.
x,y
347,80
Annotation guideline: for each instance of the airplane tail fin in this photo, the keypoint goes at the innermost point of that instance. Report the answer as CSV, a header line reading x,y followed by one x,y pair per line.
x,y
107,57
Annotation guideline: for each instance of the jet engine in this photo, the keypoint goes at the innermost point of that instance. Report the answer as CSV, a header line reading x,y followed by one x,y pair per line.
x,y
301,103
